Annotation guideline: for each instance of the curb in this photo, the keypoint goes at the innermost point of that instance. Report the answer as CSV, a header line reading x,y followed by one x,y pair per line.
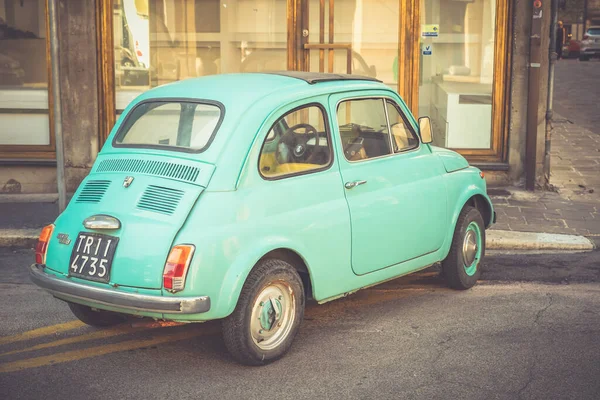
x,y
495,240
512,240
19,237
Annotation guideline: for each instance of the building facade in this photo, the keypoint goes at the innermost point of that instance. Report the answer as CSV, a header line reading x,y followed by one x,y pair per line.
x,y
462,62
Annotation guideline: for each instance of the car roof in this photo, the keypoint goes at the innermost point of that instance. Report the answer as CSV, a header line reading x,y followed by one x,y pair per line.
x,y
242,90
316,77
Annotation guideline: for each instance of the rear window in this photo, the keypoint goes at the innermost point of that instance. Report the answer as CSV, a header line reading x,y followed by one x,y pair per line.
x,y
594,31
180,125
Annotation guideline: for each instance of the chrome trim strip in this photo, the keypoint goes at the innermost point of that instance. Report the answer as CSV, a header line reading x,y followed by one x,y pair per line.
x,y
68,290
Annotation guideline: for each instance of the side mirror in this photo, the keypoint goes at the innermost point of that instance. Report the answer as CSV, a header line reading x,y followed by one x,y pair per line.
x,y
425,130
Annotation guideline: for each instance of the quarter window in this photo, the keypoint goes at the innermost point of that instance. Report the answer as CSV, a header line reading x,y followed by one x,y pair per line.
x,y
403,137
297,143
363,129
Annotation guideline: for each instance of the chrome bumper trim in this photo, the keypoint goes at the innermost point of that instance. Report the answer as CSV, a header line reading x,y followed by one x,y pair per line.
x,y
67,290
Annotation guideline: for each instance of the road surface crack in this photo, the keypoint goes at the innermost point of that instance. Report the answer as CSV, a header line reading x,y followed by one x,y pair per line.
x,y
543,310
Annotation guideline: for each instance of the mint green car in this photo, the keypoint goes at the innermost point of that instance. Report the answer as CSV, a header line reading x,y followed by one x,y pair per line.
x,y
237,197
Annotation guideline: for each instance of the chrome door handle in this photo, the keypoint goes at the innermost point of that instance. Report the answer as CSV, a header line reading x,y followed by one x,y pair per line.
x,y
350,185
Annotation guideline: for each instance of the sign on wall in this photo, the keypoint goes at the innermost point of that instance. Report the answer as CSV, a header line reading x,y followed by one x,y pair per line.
x,y
430,30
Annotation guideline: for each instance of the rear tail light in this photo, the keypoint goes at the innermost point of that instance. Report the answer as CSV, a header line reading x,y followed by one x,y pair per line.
x,y
42,245
176,267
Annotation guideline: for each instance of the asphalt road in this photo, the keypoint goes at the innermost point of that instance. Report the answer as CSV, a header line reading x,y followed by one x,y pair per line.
x,y
529,330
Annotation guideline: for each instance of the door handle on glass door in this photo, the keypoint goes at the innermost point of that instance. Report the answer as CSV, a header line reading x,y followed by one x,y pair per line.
x,y
350,185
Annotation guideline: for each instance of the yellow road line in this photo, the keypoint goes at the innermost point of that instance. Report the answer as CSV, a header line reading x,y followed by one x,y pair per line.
x,y
106,333
47,330
74,355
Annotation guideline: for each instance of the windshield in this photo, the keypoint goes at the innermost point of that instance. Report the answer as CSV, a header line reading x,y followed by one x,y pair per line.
x,y
182,125
594,31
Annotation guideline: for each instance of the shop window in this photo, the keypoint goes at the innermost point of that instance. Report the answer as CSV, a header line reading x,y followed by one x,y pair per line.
x,y
23,77
457,68
161,41
369,29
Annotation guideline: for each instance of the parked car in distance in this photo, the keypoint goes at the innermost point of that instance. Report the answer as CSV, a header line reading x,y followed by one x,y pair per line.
x,y
236,197
590,44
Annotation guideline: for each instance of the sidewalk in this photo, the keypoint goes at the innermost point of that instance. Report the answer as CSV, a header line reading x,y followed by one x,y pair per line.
x,y
575,174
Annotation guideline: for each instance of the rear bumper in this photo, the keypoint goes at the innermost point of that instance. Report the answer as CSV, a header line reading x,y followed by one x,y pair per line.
x,y
71,291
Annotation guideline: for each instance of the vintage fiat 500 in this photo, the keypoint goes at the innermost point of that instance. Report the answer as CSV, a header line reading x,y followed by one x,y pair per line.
x,y
236,197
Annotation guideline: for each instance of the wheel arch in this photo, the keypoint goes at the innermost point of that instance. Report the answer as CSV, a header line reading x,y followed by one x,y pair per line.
x,y
475,197
238,274
297,261
484,206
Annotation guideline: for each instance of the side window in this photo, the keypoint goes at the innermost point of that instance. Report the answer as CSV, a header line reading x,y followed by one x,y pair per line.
x,y
403,137
298,142
363,129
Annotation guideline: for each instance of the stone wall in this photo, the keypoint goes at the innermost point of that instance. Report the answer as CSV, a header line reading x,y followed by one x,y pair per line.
x,y
79,87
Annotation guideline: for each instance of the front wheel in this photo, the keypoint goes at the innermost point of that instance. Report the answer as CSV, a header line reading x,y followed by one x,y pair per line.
x,y
267,317
584,58
462,266
95,318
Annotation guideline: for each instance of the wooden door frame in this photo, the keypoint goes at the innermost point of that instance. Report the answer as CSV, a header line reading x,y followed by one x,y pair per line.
x,y
106,69
409,71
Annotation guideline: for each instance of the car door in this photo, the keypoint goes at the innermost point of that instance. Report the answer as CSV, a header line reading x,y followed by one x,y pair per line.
x,y
393,182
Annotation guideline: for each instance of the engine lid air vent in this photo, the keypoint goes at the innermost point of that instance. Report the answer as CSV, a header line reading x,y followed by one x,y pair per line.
x,y
160,199
166,169
93,191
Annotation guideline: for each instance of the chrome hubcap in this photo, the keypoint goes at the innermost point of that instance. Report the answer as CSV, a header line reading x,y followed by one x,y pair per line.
x,y
469,248
273,315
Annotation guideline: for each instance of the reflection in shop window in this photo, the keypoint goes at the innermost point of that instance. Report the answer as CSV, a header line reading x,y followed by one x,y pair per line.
x,y
161,41
23,73
369,27
457,77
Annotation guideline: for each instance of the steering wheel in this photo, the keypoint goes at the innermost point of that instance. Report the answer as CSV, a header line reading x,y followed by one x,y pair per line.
x,y
296,143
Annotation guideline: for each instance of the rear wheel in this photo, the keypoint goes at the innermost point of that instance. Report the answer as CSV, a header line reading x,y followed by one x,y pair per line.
x,y
462,266
98,318
584,58
267,317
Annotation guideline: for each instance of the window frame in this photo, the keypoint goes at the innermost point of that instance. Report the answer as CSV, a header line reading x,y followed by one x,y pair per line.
x,y
35,152
384,100
309,171
123,124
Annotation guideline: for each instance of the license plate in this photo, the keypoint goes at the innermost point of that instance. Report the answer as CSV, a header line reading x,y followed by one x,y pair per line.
x,y
92,256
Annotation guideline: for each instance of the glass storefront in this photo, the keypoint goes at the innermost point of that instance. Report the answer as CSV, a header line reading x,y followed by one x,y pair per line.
x,y
23,76
457,68
160,41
